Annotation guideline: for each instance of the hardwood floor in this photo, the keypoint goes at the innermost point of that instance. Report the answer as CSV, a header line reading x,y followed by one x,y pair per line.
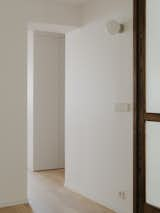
x,y
47,194
17,209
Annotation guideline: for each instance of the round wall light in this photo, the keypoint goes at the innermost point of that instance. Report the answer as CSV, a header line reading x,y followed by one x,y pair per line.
x,y
114,27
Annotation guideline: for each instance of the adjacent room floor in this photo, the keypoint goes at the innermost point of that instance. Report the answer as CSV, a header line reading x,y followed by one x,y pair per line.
x,y
47,194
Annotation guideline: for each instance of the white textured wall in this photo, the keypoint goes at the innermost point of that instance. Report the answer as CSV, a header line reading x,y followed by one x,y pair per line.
x,y
99,70
48,142
14,18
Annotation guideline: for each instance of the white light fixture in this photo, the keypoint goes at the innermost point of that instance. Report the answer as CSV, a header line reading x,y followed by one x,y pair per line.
x,y
114,27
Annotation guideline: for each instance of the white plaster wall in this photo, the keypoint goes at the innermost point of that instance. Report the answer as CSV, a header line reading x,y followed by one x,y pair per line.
x,y
99,70
14,18
48,142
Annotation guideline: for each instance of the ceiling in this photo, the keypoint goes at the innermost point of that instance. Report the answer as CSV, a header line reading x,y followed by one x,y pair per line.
x,y
76,2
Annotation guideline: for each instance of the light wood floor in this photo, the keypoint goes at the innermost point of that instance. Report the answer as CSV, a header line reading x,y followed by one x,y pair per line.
x,y
47,194
17,209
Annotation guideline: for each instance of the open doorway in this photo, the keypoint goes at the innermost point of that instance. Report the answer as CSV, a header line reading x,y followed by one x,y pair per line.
x,y
46,148
45,123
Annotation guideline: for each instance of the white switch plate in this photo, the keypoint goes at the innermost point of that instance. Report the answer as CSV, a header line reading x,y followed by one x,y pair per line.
x,y
122,195
122,107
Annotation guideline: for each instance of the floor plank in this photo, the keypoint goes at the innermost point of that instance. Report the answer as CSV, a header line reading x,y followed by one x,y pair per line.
x,y
17,209
47,194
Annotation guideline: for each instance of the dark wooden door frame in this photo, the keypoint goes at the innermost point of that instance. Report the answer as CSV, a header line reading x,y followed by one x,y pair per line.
x,y
140,114
139,104
135,49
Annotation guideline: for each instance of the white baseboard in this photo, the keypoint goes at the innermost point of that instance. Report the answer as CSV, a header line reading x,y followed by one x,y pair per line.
x,y
75,190
72,188
15,203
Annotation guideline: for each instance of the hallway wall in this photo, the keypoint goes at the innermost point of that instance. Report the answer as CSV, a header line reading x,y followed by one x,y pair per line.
x,y
99,75
15,17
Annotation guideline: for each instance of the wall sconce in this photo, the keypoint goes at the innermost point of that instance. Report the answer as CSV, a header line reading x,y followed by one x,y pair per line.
x,y
114,27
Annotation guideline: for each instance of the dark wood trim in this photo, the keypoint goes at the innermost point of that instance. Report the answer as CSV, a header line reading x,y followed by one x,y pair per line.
x,y
139,103
152,117
151,209
135,79
140,115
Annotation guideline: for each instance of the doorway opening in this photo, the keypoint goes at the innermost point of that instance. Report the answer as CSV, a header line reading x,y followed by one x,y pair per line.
x,y
45,109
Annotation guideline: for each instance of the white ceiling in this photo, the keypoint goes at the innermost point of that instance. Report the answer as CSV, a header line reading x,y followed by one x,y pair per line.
x,y
77,2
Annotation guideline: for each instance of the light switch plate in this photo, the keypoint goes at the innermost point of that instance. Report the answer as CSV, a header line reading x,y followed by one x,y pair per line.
x,y
122,107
